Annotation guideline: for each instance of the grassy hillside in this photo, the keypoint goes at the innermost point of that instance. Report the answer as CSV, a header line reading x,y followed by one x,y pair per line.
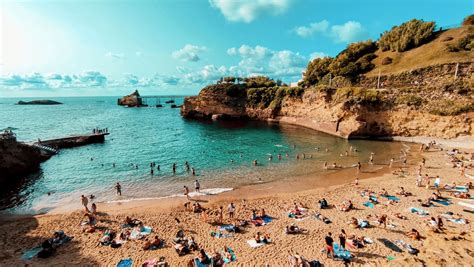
x,y
431,53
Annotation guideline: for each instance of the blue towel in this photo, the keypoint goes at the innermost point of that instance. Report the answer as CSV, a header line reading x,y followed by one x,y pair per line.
x,y
394,198
341,253
197,263
369,204
442,202
419,211
267,219
234,258
31,253
363,224
462,189
125,263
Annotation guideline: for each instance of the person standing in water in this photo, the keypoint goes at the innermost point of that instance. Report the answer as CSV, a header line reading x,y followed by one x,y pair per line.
x,y
186,164
85,201
371,159
197,186
279,156
193,171
174,168
270,158
255,163
118,189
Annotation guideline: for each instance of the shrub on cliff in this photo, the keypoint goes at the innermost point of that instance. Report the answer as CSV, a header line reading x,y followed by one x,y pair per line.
x,y
259,81
408,35
261,97
316,70
409,100
447,107
469,20
358,95
354,60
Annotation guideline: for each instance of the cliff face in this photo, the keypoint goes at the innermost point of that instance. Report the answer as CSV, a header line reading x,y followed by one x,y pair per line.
x,y
131,100
327,111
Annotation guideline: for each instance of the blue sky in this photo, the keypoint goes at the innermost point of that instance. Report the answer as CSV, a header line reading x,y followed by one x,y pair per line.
x,y
75,48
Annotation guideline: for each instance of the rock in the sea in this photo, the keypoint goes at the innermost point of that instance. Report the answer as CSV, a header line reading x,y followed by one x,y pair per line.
x,y
39,102
131,100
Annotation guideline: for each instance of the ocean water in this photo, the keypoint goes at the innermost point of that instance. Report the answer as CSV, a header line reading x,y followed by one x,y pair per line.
x,y
221,152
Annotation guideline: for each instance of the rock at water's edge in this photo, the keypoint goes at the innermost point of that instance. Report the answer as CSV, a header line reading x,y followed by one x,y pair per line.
x,y
131,100
39,102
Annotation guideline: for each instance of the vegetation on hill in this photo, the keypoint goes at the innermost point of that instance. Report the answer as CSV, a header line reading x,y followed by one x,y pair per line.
x,y
408,35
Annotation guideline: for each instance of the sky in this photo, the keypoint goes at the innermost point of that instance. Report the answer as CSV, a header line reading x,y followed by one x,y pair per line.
x,y
112,47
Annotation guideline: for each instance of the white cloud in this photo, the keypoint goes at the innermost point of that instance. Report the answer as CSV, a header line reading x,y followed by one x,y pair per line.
x,y
189,53
317,55
114,55
348,32
311,29
249,10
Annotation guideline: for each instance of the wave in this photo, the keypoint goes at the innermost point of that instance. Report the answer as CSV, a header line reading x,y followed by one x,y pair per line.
x,y
204,192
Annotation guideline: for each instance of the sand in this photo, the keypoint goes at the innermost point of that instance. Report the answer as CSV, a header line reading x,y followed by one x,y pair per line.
x,y
453,247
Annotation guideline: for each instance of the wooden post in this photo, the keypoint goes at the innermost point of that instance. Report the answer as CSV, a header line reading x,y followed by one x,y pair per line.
x,y
456,71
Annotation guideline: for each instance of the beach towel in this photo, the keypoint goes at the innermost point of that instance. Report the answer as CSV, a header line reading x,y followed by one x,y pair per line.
x,y
394,198
150,263
462,189
418,211
407,246
253,244
368,240
363,224
135,234
374,199
466,205
259,221
233,258
469,176
197,263
31,253
369,204
303,214
389,244
125,263
443,202
227,227
341,253
219,234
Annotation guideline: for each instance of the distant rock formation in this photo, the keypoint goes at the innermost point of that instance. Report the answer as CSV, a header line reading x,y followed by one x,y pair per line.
x,y
39,102
131,100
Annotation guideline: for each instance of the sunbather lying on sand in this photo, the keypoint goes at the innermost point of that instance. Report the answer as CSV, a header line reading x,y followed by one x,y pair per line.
x,y
402,192
319,216
294,230
355,242
400,216
298,261
107,237
460,195
414,234
346,206
132,222
383,192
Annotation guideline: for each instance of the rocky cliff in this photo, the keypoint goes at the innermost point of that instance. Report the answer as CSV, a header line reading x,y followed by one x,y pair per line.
x,y
423,102
131,100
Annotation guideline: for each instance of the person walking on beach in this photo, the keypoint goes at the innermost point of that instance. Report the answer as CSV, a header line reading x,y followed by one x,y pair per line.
x,y
371,159
342,238
186,192
221,214
359,166
197,186
118,189
329,242
85,201
231,210
391,163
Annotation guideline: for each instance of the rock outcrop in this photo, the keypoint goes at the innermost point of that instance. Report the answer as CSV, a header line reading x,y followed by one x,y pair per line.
x,y
131,100
39,102
346,116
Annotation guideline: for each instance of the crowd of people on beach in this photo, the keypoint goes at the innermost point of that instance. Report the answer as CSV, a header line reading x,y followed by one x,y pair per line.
x,y
233,219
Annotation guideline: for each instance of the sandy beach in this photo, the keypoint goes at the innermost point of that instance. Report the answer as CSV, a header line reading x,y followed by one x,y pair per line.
x,y
451,247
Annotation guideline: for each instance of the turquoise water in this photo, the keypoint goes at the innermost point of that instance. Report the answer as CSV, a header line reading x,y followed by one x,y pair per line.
x,y
221,153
